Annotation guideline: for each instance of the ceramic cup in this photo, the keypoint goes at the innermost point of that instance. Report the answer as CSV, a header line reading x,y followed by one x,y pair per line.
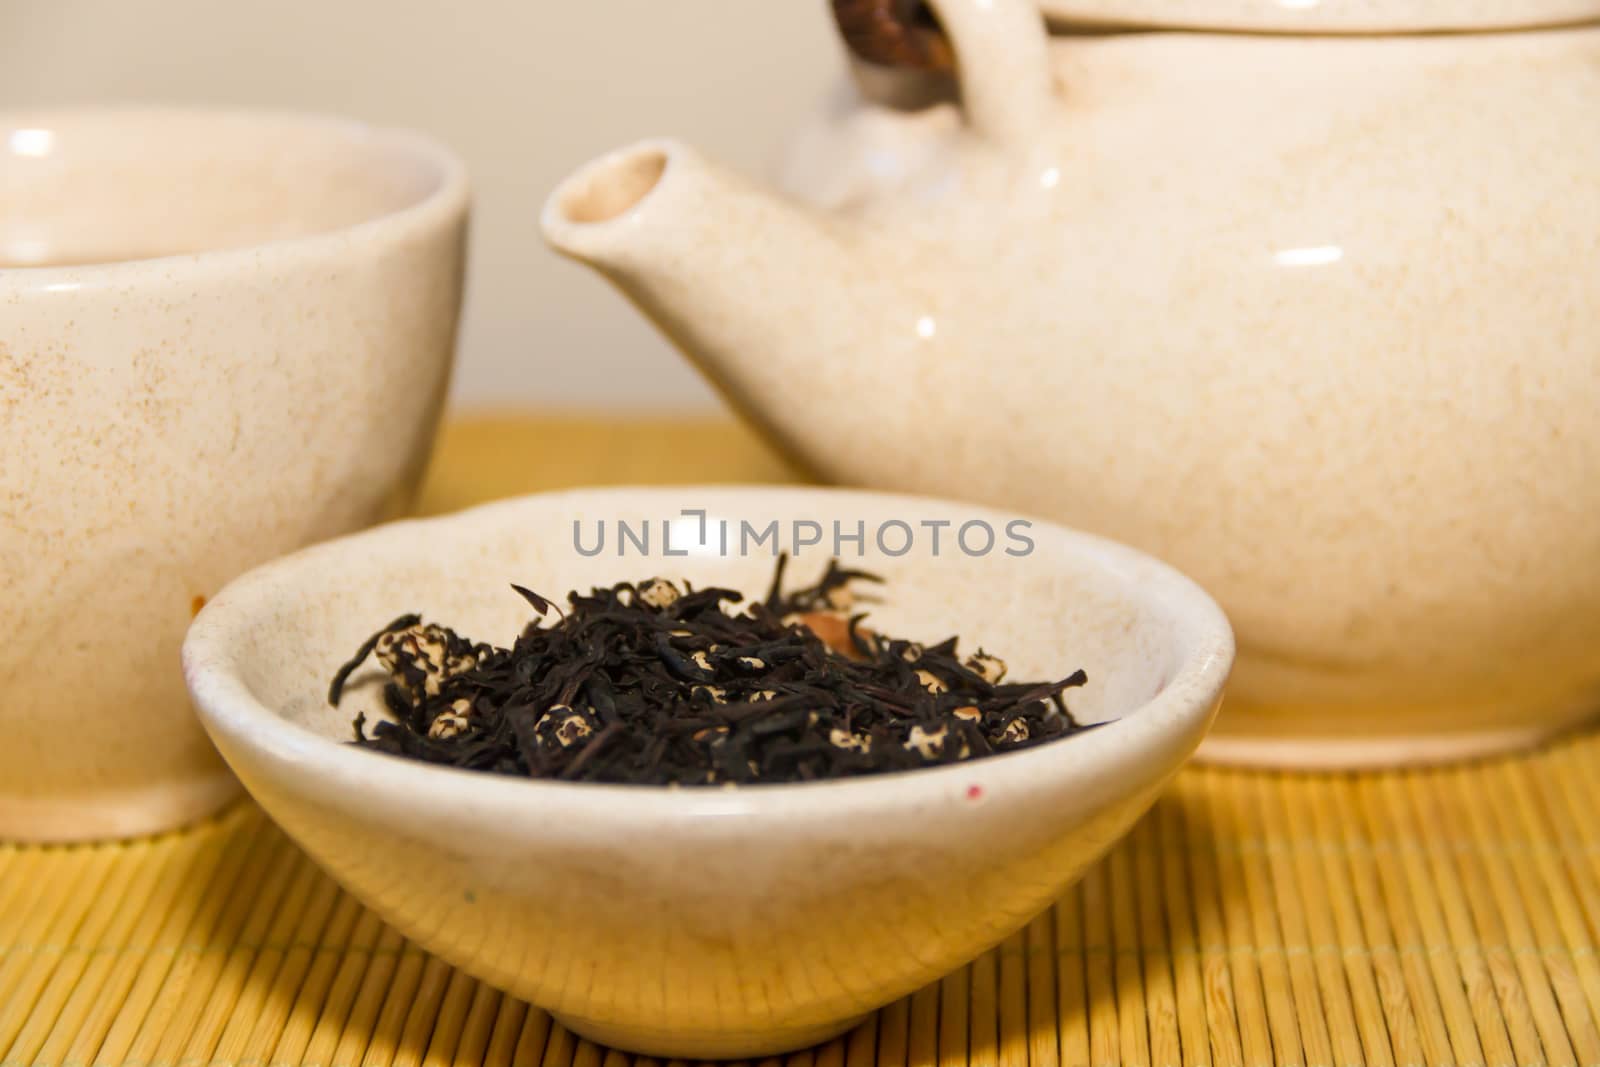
x,y
223,335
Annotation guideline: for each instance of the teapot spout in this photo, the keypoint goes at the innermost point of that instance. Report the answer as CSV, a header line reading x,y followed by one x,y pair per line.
x,y
760,292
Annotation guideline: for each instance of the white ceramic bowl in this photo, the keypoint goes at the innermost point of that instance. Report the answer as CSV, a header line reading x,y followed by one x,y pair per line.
x,y
223,335
710,923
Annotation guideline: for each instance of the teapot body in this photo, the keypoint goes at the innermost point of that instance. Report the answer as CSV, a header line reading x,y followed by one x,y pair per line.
x,y
1315,318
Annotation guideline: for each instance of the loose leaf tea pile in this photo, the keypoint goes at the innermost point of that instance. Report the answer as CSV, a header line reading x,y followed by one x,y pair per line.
x,y
643,683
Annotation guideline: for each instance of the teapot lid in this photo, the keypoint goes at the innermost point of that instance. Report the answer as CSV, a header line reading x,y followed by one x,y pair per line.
x,y
1322,16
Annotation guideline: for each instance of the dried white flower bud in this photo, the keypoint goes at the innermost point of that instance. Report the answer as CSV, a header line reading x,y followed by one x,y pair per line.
x,y
856,742
1016,730
970,713
452,723
927,745
572,729
931,682
990,668
658,593
425,647
565,725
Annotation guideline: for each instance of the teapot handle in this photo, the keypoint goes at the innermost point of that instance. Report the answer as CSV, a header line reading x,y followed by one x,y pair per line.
x,y
1001,55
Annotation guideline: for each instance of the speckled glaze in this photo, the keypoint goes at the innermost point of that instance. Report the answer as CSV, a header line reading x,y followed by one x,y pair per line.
x,y
249,356
1312,317
708,923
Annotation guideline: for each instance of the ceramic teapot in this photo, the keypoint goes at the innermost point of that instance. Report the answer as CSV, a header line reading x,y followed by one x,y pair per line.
x,y
1315,316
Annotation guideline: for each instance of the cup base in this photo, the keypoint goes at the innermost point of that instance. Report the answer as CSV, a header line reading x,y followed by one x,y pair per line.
x,y
1373,752
701,1045
114,815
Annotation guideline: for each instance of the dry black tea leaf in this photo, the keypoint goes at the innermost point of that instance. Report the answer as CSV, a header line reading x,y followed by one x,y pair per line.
x,y
646,683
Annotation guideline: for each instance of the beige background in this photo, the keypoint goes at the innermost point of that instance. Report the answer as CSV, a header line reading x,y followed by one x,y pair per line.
x,y
523,89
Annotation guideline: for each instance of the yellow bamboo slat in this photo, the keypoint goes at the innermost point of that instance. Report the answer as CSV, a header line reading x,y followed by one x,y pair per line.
x,y
1190,966
1246,965
1439,917
1103,1014
1072,1005
1044,1049
955,1004
922,1036
1128,987
1371,1023
1331,1032
1544,879
1155,948
1015,1041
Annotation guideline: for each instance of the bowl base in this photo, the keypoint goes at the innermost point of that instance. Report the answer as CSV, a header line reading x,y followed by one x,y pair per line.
x,y
114,815
1372,752
700,1044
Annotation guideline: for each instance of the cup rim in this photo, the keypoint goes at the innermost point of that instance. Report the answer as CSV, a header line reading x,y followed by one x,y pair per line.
x,y
227,706
447,199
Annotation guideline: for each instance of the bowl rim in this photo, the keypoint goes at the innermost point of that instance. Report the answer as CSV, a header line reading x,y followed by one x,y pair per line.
x,y
228,707
448,198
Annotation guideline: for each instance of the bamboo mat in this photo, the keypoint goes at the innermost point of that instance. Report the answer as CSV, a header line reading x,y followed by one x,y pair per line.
x,y
1442,917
